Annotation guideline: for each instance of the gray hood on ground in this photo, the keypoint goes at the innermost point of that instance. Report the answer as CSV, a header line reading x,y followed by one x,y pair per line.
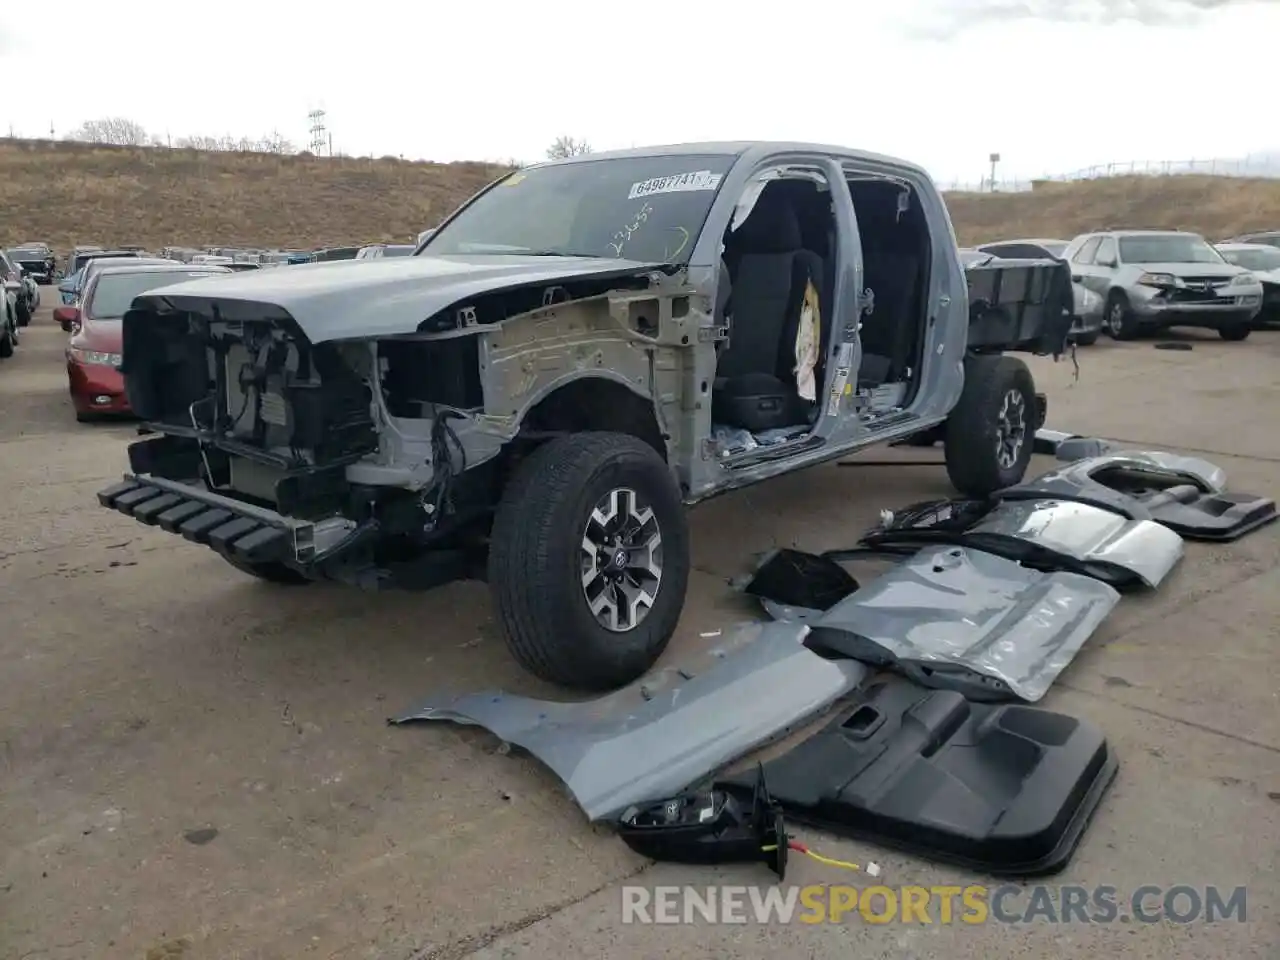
x,y
381,297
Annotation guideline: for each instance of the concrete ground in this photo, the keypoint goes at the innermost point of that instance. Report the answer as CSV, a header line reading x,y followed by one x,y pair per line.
x,y
195,764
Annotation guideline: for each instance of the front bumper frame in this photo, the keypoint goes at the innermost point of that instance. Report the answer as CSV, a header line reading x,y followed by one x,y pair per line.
x,y
238,530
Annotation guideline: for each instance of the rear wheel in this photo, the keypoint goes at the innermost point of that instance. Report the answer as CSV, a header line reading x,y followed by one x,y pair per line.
x,y
1237,331
589,560
990,433
24,313
1086,339
8,340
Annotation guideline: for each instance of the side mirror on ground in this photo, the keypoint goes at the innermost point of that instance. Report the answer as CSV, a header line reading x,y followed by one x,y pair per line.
x,y
67,317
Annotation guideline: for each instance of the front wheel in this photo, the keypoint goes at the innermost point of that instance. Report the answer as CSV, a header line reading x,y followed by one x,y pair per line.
x,y
1087,339
1119,320
8,340
1237,331
589,560
24,313
990,433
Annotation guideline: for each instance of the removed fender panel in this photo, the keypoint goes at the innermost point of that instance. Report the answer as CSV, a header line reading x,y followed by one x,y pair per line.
x,y
1186,494
1008,789
1044,534
670,730
961,619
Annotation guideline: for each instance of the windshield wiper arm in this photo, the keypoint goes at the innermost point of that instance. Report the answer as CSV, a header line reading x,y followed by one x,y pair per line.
x,y
555,253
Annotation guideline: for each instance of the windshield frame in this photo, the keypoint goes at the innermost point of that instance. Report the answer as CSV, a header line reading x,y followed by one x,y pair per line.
x,y
1193,239
725,163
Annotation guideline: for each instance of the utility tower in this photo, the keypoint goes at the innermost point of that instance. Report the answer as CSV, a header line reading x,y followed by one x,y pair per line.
x,y
319,136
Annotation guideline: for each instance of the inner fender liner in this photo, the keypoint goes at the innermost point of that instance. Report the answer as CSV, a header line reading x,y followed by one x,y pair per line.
x,y
670,729
1042,534
1008,790
1186,494
966,620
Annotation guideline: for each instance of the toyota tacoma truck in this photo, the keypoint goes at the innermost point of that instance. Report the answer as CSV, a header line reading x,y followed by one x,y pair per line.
x,y
580,351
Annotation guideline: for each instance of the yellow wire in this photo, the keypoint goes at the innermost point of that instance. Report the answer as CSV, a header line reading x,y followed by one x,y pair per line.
x,y
829,861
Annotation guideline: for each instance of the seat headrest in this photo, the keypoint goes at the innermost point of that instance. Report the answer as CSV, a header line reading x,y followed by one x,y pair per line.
x,y
771,227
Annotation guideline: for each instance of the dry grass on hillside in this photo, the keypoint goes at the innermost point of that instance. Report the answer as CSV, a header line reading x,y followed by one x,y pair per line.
x,y
1217,207
67,193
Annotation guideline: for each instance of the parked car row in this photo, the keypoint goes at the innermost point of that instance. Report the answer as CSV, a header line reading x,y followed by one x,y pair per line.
x,y
94,322
1129,283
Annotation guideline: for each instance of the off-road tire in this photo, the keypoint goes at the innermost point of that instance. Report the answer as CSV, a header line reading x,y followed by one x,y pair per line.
x,y
535,555
1086,339
24,313
271,572
1124,326
972,430
1236,331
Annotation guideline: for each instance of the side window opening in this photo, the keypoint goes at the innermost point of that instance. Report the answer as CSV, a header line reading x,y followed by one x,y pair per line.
x,y
1087,250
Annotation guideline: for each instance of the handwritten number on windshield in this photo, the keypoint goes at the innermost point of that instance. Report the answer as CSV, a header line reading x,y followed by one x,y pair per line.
x,y
622,236
670,254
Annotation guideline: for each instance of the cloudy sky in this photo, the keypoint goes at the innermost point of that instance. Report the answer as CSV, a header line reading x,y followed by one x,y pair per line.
x,y
1053,85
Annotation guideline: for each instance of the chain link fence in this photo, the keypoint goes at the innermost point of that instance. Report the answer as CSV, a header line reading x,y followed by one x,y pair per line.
x,y
1267,167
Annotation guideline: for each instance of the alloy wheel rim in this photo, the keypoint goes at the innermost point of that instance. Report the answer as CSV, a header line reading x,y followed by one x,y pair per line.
x,y
1011,430
621,560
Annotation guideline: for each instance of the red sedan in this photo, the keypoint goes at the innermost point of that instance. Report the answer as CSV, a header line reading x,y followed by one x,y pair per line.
x,y
93,352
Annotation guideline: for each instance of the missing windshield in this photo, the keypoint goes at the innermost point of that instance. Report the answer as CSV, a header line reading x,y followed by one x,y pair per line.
x,y
642,209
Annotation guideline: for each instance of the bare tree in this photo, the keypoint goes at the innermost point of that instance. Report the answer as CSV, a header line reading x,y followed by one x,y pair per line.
x,y
205,144
275,142
114,130
567,147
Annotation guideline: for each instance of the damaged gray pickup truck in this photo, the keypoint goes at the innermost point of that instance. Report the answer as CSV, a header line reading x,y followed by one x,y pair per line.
x,y
580,350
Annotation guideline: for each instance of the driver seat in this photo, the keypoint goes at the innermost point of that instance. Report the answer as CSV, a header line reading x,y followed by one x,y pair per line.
x,y
755,385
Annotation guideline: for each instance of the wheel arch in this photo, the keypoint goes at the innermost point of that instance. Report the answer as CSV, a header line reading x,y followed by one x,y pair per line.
x,y
596,401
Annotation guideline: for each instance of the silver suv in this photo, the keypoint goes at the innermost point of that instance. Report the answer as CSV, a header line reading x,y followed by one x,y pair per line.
x,y
1152,280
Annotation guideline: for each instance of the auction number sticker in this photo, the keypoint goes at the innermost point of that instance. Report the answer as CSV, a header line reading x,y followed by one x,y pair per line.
x,y
676,183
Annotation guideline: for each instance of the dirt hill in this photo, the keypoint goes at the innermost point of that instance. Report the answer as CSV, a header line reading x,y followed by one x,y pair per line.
x,y
69,193
1217,207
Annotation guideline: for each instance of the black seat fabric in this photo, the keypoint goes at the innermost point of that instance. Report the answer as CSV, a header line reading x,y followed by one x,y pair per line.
x,y
887,332
755,385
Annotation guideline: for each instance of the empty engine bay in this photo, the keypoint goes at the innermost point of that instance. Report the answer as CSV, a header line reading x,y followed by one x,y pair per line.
x,y
258,413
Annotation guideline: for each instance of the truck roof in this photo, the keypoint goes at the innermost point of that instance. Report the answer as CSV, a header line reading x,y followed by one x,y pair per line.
x,y
748,149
